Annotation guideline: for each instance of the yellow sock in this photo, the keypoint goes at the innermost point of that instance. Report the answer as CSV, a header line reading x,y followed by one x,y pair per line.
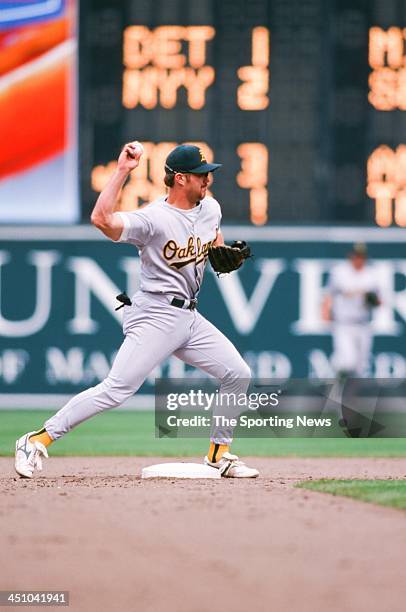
x,y
43,437
216,451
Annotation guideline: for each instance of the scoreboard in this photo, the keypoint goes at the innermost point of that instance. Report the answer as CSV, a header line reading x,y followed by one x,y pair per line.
x,y
303,102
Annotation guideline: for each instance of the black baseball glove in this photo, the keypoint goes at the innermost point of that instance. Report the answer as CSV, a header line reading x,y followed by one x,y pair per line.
x,y
225,259
372,299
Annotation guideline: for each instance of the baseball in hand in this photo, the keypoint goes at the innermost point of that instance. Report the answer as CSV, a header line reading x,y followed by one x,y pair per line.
x,y
136,149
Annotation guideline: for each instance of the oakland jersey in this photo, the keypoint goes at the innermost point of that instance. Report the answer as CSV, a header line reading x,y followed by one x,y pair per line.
x,y
173,244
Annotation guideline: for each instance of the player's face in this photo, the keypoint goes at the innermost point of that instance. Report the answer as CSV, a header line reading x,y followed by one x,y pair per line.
x,y
197,185
358,261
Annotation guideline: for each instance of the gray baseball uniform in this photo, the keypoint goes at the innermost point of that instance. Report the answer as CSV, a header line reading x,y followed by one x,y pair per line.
x,y
352,334
173,245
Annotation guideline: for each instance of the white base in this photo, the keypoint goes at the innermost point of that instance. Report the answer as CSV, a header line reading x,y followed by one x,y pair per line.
x,y
180,470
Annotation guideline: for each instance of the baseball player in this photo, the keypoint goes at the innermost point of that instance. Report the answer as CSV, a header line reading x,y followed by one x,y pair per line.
x,y
174,235
351,295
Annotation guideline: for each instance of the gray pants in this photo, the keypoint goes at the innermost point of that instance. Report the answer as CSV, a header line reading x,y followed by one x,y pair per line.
x,y
352,343
154,330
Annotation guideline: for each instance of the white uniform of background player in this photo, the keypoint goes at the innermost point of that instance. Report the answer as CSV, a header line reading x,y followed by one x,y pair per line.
x,y
346,307
173,235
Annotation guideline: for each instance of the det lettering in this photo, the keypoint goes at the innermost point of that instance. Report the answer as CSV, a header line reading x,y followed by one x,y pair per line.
x,y
160,61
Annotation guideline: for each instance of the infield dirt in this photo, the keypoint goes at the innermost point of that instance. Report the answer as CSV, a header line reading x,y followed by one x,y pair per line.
x,y
92,527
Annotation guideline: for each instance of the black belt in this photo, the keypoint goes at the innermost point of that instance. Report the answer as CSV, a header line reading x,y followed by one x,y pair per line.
x,y
125,301
181,303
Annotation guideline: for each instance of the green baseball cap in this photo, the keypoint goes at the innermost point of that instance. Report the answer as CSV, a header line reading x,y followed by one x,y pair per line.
x,y
359,249
189,159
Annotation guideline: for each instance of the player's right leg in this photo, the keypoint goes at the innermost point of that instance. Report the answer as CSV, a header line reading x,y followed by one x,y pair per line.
x,y
364,346
212,352
152,334
345,354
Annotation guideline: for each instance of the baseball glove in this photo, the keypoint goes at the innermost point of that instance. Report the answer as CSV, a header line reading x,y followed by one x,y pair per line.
x,y
225,259
371,299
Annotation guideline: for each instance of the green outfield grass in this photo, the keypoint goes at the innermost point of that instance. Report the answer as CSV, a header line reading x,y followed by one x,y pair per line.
x,y
124,433
383,492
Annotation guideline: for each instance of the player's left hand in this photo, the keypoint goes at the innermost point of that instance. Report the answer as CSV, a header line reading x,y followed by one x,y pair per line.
x,y
372,299
225,259
130,156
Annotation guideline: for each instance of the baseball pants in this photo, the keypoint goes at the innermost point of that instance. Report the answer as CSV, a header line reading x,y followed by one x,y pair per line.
x,y
154,330
352,343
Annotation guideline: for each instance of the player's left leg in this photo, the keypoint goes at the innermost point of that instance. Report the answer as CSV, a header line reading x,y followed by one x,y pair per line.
x,y
152,334
345,353
211,351
364,340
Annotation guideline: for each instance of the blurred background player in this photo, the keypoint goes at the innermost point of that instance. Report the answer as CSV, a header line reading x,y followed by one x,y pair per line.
x,y
352,293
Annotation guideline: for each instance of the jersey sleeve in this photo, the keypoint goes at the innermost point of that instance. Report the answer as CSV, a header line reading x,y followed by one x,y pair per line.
x,y
332,285
216,211
219,215
137,229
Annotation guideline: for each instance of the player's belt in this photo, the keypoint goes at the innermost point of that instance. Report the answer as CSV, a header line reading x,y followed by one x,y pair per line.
x,y
187,304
